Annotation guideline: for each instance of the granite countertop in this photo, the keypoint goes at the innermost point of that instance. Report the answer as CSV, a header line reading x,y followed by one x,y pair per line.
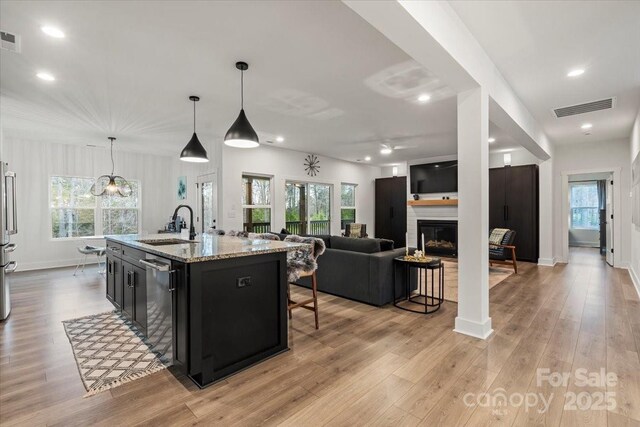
x,y
206,247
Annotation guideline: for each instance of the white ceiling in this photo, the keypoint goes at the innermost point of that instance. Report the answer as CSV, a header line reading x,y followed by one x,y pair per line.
x,y
318,75
535,44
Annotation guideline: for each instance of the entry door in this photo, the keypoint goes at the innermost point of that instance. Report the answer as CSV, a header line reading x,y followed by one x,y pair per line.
x,y
207,202
609,219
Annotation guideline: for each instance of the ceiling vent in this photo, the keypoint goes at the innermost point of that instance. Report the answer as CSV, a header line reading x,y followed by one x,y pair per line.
x,y
587,107
10,41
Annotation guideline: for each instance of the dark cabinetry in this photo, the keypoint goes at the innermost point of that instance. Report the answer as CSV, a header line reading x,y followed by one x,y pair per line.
x,y
134,304
391,209
114,281
231,314
126,284
513,204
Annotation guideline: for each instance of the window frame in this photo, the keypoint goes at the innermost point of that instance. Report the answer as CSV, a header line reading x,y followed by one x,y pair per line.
x,y
271,197
306,184
355,210
572,208
97,211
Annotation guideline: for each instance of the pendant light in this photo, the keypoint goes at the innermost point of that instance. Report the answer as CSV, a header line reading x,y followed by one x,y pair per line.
x,y
241,133
111,185
194,151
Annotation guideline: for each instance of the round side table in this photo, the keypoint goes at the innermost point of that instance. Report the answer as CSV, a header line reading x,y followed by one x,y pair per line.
x,y
423,302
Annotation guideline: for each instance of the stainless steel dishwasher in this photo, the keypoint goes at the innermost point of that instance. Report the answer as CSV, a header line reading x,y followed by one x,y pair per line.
x,y
160,287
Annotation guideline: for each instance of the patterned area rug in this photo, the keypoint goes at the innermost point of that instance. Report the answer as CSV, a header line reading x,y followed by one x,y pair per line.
x,y
109,351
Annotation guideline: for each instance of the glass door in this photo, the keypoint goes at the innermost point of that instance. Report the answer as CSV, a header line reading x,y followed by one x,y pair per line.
x,y
207,201
308,208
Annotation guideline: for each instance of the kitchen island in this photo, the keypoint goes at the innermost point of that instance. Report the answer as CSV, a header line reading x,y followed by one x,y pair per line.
x,y
211,307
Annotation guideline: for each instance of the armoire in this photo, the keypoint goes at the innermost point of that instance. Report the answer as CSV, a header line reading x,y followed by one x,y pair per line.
x,y
391,209
513,204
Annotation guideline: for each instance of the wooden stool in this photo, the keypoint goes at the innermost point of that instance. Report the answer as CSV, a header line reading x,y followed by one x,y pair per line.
x,y
305,304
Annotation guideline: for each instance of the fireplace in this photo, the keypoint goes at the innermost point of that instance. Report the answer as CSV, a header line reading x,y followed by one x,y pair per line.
x,y
440,237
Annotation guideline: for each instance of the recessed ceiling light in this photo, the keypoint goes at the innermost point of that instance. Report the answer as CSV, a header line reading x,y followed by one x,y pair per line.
x,y
386,150
424,97
491,140
586,126
45,76
52,31
279,139
575,73
367,159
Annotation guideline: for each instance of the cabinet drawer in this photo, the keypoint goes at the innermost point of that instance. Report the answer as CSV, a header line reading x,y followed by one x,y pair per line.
x,y
132,255
114,249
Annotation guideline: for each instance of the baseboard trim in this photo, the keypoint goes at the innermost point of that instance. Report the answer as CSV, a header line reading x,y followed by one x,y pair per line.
x,y
635,279
44,265
547,262
583,245
473,329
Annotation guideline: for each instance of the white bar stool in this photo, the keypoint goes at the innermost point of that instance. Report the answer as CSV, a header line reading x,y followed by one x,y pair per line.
x,y
87,250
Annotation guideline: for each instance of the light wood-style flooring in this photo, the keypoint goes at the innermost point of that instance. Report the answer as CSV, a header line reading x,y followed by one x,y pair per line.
x,y
365,366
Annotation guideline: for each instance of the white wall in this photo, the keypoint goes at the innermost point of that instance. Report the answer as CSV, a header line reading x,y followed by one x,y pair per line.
x,y
414,213
519,156
285,165
192,171
35,162
634,264
592,156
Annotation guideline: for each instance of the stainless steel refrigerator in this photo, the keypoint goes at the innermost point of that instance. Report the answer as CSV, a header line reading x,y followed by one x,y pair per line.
x,y
8,227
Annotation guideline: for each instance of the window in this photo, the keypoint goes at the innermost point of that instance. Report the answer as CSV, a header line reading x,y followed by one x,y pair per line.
x,y
75,212
73,208
347,205
120,214
308,208
256,203
584,206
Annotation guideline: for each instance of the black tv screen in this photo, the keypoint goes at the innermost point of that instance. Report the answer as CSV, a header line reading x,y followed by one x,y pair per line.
x,y
441,177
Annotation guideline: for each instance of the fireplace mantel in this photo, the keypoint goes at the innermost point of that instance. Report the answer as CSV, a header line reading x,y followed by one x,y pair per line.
x,y
433,202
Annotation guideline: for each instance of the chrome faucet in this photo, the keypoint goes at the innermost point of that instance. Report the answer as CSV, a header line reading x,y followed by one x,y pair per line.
x,y
192,229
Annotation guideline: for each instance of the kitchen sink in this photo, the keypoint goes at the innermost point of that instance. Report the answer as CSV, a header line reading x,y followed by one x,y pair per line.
x,y
165,242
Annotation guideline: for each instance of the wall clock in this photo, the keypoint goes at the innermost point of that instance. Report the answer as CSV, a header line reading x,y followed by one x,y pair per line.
x,y
312,165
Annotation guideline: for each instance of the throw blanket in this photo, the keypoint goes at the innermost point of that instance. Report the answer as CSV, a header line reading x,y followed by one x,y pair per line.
x,y
496,236
303,259
355,230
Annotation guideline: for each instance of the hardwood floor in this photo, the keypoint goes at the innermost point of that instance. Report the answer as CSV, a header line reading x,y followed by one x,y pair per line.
x,y
365,366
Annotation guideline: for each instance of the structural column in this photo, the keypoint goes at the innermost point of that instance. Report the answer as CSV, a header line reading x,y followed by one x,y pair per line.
x,y
545,172
473,214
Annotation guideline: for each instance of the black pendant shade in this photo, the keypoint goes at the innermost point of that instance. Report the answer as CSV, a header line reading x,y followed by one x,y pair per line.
x,y
111,185
241,133
194,151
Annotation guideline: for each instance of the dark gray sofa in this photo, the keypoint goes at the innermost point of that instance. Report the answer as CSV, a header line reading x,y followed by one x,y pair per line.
x,y
357,269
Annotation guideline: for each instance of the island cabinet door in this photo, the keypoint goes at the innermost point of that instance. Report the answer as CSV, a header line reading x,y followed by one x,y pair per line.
x,y
111,286
128,289
116,277
237,314
140,298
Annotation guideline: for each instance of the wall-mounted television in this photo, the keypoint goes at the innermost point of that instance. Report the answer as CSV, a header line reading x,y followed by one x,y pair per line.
x,y
441,177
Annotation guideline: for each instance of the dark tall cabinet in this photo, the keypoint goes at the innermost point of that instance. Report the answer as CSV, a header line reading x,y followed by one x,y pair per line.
x,y
391,209
513,204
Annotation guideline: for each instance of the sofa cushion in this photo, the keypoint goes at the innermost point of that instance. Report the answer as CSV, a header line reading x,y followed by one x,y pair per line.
x,y
366,246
